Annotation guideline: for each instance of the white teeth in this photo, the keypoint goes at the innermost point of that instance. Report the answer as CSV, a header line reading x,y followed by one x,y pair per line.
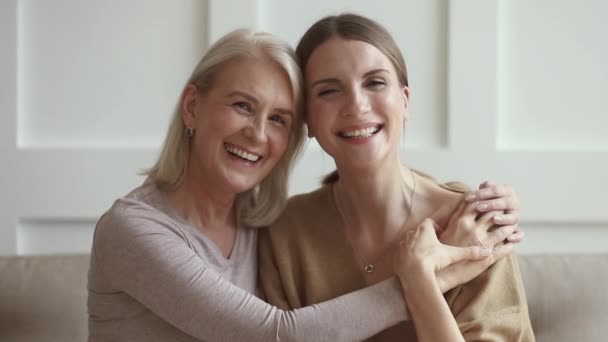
x,y
242,154
361,133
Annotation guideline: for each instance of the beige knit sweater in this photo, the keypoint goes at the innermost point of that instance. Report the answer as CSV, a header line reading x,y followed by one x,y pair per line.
x,y
305,259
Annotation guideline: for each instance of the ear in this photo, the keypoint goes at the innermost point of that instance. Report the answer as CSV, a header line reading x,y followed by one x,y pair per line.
x,y
406,102
187,105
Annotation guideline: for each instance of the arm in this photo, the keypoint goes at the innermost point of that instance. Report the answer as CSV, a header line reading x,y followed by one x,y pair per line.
x,y
418,258
491,307
157,268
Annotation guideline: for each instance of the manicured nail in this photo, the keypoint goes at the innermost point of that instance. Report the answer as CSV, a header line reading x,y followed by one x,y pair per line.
x,y
497,218
485,251
482,206
469,197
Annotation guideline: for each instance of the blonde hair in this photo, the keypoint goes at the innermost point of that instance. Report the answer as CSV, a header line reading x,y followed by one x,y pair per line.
x,y
261,205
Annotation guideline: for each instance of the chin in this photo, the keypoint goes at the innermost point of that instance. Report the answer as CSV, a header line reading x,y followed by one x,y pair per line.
x,y
239,187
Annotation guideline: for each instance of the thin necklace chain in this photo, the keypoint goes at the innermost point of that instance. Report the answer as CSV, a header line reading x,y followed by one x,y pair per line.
x,y
369,266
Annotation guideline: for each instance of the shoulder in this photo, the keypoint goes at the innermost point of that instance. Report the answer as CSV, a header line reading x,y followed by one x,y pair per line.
x,y
305,207
129,219
440,199
303,215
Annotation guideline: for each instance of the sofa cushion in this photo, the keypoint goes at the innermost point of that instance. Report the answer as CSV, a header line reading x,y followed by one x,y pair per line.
x,y
567,296
43,298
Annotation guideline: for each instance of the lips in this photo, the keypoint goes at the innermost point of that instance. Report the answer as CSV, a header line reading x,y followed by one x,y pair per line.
x,y
360,132
242,154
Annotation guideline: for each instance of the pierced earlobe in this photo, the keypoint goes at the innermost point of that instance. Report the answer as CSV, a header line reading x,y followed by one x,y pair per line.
x,y
189,132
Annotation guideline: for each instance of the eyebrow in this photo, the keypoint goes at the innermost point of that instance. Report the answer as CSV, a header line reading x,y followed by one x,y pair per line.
x,y
251,98
335,80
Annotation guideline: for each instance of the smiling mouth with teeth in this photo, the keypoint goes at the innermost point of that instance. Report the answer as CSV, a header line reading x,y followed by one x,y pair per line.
x,y
242,154
360,133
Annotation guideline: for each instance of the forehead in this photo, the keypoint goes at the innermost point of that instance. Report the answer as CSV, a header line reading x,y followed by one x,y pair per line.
x,y
337,55
260,77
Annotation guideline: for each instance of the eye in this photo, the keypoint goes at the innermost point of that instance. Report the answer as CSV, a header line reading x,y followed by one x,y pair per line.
x,y
242,106
375,83
278,118
325,92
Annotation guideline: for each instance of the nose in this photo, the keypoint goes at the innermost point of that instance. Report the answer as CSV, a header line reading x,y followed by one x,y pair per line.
x,y
357,103
256,130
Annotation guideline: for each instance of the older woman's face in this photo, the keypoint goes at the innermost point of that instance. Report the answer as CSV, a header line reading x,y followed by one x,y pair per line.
x,y
355,104
242,124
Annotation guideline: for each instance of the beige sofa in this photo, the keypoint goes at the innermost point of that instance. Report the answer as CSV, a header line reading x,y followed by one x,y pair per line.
x,y
44,298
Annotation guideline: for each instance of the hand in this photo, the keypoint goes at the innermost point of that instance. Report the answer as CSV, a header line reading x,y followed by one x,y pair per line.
x,y
503,200
467,227
421,252
471,226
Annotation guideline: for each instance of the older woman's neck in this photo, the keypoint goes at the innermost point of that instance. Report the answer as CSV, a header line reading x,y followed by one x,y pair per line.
x,y
203,204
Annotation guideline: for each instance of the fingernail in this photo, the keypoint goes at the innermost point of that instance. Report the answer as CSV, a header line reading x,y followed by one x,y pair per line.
x,y
469,197
482,206
485,251
497,218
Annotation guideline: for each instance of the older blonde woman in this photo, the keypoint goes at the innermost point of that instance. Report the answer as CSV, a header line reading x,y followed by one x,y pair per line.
x,y
176,259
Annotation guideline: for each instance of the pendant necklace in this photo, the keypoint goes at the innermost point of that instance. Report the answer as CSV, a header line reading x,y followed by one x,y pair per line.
x,y
369,265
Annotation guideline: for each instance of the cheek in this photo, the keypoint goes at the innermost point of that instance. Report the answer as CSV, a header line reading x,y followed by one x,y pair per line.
x,y
280,139
319,115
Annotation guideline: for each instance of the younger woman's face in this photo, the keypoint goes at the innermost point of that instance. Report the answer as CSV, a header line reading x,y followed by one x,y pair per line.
x,y
355,104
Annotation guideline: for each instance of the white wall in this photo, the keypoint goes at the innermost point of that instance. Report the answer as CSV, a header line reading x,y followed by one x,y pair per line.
x,y
506,90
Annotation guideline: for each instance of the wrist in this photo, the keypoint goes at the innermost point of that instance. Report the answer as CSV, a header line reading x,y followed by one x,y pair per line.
x,y
417,277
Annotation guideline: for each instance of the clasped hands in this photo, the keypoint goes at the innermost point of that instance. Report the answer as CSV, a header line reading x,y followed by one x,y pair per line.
x,y
481,231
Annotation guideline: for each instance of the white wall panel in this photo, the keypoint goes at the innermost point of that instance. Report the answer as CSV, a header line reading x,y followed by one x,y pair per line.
x,y
554,74
52,236
85,66
88,88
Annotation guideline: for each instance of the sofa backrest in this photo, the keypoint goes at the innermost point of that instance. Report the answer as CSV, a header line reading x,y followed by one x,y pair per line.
x,y
43,298
567,296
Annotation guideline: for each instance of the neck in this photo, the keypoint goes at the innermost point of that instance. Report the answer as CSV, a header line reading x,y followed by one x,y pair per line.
x,y
203,204
375,204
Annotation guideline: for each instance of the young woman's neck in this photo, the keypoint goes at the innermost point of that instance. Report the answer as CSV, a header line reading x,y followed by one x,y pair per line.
x,y
375,200
204,205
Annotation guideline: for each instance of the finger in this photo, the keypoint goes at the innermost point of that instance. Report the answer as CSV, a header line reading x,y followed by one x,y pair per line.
x,y
485,184
488,218
427,226
500,234
488,190
516,237
506,218
438,229
503,204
